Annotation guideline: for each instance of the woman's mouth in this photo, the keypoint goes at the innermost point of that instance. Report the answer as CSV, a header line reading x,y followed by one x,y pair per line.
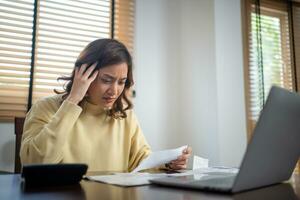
x,y
109,99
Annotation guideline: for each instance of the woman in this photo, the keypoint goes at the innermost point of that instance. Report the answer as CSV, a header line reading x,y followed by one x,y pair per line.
x,y
91,121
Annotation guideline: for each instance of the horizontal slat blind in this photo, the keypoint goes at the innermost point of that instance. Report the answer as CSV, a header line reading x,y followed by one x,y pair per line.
x,y
124,22
16,22
270,56
64,28
296,23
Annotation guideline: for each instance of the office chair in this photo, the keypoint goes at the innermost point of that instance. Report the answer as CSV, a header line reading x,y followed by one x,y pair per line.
x,y
19,122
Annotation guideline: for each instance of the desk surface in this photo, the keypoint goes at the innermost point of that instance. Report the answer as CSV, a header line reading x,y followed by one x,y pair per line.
x,y
11,188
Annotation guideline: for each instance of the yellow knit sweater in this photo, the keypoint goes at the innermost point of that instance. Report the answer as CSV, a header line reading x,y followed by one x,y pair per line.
x,y
56,132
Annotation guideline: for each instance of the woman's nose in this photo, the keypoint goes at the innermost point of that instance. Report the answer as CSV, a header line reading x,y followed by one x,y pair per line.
x,y
114,89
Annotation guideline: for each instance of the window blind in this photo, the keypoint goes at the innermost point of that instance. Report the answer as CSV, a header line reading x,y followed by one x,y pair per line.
x,y
270,60
296,29
16,22
124,22
64,28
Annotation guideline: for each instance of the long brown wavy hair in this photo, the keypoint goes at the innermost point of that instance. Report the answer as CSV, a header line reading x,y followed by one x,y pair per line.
x,y
106,52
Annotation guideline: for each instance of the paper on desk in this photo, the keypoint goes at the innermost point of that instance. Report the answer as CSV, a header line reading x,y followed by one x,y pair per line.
x,y
126,179
158,158
199,162
133,179
136,179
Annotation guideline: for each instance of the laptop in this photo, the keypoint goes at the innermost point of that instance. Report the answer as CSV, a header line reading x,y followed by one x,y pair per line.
x,y
270,157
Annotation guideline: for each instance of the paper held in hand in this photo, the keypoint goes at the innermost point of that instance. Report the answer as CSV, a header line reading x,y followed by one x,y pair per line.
x,y
158,158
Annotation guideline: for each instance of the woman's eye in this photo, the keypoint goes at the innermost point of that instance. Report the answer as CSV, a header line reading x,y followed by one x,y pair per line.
x,y
105,81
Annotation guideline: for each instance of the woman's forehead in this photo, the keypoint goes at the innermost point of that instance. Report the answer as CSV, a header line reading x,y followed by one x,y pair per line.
x,y
117,70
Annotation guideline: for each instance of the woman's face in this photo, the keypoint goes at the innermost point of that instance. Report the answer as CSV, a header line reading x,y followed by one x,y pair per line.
x,y
108,85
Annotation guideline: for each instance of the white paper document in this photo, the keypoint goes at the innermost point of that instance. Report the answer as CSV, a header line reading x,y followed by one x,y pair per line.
x,y
199,162
136,179
155,159
126,179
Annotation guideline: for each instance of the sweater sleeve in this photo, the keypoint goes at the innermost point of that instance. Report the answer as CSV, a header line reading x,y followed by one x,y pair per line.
x,y
46,130
140,149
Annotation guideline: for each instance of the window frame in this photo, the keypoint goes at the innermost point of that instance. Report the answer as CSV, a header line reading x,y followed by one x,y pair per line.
x,y
247,10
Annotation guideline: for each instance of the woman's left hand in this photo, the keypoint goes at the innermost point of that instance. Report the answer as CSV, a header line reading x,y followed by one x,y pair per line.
x,y
182,160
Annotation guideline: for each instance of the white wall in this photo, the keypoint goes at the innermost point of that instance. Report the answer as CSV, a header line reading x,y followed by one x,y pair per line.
x,y
198,87
7,147
189,79
204,45
230,82
156,70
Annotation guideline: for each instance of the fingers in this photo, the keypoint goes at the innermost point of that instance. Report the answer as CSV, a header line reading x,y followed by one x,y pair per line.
x,y
177,167
93,77
183,157
182,160
186,153
85,72
89,71
179,163
188,150
82,69
76,71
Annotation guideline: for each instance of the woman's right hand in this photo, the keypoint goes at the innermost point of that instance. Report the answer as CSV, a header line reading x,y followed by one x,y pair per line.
x,y
81,82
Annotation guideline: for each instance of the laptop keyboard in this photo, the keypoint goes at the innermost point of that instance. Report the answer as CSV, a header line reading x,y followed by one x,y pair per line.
x,y
213,181
225,183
